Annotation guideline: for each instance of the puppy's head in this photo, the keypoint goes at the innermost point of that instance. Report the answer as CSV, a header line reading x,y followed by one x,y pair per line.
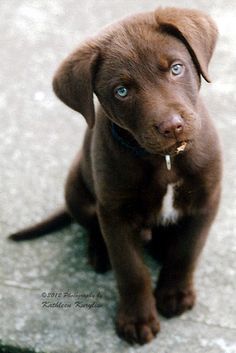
x,y
145,71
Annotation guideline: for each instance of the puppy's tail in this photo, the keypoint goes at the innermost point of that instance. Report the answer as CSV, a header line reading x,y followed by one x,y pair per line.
x,y
56,221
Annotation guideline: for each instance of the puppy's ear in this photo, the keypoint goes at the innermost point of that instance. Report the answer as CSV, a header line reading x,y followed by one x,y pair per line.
x,y
73,81
196,29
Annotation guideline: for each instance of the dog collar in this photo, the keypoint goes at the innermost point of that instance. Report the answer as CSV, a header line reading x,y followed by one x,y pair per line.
x,y
130,143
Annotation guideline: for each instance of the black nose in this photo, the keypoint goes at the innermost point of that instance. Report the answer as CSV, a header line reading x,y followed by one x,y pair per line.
x,y
171,127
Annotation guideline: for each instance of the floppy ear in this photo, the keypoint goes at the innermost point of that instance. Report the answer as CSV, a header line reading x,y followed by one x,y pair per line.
x,y
73,81
196,29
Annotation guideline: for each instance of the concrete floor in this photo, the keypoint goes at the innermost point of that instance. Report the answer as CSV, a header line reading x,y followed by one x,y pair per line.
x,y
39,137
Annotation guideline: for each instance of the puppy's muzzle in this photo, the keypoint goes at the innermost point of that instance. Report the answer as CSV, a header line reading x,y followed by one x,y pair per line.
x,y
171,127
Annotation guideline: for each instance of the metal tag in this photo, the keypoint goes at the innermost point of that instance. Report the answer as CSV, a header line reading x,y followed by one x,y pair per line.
x,y
168,161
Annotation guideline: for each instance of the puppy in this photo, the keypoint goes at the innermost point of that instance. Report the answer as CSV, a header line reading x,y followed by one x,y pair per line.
x,y
150,166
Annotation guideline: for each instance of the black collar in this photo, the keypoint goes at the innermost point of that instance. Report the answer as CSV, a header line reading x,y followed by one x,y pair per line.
x,y
125,139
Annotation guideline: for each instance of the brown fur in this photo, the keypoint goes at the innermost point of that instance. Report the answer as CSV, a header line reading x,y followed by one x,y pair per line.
x,y
117,195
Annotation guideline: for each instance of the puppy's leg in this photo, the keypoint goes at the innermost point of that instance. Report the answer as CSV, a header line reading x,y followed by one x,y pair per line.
x,y
82,207
181,248
137,316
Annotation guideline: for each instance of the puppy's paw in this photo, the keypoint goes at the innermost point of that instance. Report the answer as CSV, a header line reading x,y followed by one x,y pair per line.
x,y
139,327
99,259
98,256
174,301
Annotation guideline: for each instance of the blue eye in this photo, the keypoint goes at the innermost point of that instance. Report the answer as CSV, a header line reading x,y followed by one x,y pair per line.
x,y
121,91
177,69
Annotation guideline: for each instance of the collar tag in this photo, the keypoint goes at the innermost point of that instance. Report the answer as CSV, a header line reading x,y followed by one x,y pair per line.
x,y
168,161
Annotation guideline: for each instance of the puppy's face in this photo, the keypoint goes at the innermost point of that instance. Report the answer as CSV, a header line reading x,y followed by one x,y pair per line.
x,y
145,71
144,79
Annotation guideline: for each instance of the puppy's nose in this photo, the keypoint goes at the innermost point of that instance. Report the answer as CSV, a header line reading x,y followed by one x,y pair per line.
x,y
171,127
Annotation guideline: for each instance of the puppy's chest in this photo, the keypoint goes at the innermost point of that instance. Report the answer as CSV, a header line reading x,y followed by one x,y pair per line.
x,y
168,212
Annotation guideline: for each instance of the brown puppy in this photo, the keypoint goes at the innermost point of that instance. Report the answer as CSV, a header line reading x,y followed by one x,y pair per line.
x,y
150,166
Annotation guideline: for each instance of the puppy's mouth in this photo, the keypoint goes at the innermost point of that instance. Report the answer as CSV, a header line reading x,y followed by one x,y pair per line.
x,y
142,148
176,148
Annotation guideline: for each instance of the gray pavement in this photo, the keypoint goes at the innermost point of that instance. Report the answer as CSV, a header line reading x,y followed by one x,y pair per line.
x,y
39,137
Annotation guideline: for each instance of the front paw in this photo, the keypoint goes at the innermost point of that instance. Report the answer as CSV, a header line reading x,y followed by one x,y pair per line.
x,y
139,325
174,301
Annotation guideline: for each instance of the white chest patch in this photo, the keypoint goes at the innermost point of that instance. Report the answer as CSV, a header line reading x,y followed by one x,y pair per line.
x,y
168,213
